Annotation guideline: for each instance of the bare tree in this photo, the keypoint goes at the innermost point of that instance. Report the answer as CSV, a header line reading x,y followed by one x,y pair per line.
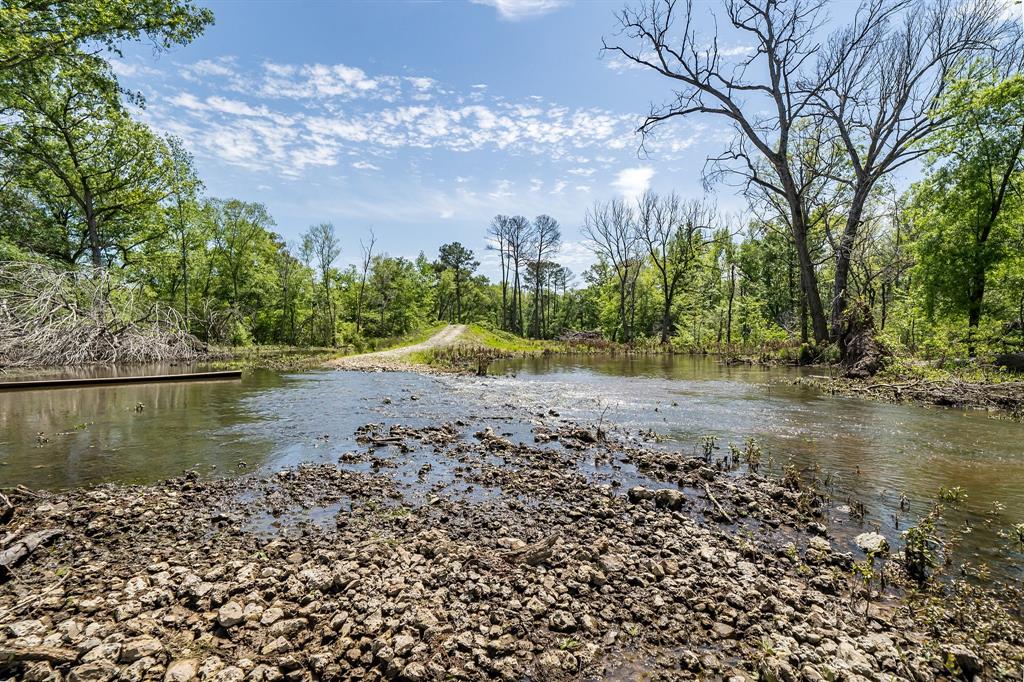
x,y
611,230
367,249
879,84
674,232
498,232
548,236
764,94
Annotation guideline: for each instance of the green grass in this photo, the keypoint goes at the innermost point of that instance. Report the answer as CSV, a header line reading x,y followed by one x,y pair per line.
x,y
504,341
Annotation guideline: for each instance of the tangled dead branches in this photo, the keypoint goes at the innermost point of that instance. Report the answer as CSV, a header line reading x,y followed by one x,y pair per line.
x,y
50,317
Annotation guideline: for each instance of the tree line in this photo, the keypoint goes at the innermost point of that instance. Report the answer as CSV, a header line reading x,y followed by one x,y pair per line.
x,y
827,128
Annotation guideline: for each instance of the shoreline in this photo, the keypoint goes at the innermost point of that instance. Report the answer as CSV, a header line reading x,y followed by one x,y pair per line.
x,y
493,559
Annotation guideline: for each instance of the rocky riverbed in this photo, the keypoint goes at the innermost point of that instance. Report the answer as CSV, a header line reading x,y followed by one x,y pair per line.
x,y
494,558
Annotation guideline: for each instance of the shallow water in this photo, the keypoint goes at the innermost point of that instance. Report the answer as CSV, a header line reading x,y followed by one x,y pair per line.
x,y
870,452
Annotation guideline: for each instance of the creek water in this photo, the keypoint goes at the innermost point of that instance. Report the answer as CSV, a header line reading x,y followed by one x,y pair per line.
x,y
867,452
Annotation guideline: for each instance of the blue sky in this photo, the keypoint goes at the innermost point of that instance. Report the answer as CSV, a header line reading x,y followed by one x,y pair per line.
x,y
418,119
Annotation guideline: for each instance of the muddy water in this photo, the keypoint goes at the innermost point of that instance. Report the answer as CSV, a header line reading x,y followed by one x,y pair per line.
x,y
869,452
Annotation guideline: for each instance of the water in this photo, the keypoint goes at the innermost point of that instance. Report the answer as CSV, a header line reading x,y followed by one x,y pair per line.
x,y
869,452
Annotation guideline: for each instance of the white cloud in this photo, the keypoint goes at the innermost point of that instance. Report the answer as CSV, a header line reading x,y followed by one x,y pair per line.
x,y
515,10
365,165
559,187
632,182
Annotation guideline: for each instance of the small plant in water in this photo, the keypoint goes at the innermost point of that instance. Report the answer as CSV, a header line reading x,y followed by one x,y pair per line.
x,y
792,479
919,546
752,454
708,444
954,496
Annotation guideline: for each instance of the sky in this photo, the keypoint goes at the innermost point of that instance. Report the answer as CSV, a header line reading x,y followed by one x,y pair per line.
x,y
420,120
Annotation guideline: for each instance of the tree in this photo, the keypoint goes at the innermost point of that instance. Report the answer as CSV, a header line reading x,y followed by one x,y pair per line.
x,y
73,141
611,230
498,234
31,31
707,82
520,238
879,91
183,209
323,243
673,233
367,251
458,260
970,207
547,239
238,229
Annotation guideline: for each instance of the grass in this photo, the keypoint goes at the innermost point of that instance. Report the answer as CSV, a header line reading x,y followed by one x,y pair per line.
x,y
505,341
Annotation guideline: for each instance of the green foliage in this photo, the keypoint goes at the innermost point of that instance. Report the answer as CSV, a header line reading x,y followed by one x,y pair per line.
x,y
919,549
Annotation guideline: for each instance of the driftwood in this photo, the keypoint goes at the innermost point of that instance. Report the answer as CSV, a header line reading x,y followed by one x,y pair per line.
x,y
83,316
725,515
20,549
51,654
533,555
6,509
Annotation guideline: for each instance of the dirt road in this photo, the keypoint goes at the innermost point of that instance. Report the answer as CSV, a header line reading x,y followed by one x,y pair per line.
x,y
396,358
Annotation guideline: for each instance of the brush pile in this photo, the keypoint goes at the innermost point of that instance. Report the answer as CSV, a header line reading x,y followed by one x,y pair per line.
x,y
51,317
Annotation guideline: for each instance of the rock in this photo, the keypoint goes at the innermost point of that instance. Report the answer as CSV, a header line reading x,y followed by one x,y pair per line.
x,y
667,498
872,543
140,647
181,670
229,674
97,671
24,628
276,646
969,663
402,645
108,652
562,621
271,616
819,544
639,494
231,614
414,672
723,631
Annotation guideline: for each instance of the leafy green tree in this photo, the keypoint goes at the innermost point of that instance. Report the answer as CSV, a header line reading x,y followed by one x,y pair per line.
x,y
76,148
968,209
33,30
456,259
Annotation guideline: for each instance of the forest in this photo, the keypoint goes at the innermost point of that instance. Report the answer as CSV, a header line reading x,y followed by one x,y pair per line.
x,y
884,202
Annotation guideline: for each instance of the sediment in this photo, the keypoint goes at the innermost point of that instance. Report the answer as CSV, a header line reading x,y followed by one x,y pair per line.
x,y
494,559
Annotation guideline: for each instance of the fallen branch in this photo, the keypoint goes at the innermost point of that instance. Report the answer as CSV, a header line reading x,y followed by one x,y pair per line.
x,y
533,555
50,654
20,549
7,613
725,515
6,509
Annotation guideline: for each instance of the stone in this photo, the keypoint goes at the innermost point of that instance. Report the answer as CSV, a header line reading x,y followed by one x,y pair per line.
x,y
872,543
723,631
819,544
639,494
667,498
271,616
403,644
969,663
181,670
97,671
562,621
414,672
276,646
231,614
140,647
